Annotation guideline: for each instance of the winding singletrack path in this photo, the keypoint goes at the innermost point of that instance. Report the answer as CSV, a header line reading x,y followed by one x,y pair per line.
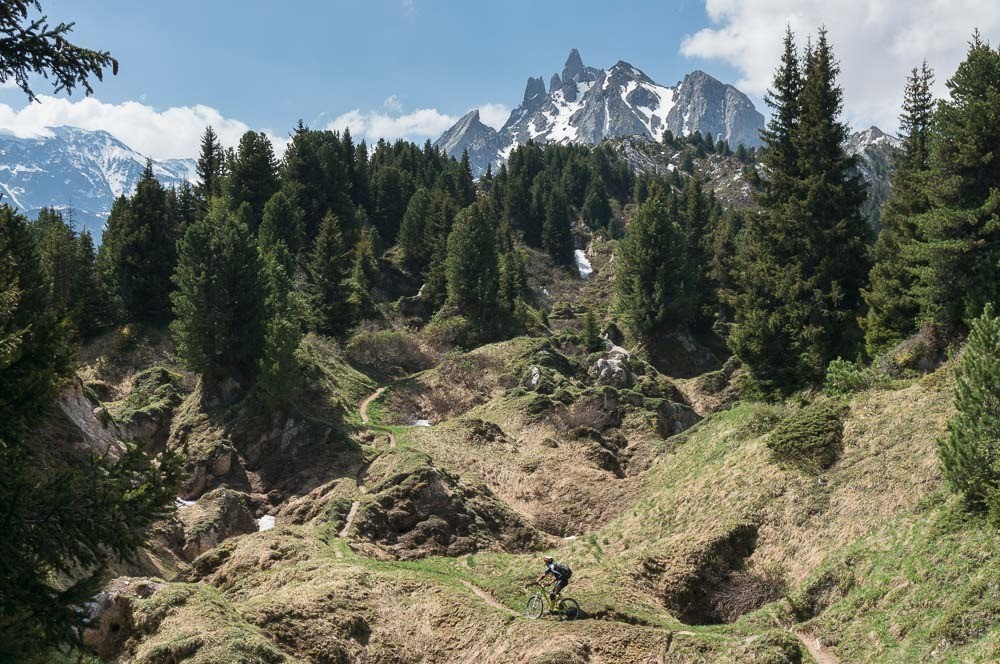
x,y
488,598
363,412
815,649
363,406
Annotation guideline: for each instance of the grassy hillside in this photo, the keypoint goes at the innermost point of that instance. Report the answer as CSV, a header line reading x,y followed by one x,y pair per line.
x,y
414,543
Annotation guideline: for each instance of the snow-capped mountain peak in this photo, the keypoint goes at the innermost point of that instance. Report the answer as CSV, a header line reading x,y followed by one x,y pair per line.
x,y
78,169
588,105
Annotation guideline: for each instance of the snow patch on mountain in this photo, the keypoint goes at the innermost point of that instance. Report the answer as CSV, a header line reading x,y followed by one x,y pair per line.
x,y
77,171
585,105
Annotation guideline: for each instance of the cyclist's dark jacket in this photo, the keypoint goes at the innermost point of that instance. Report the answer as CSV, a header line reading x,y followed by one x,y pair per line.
x,y
561,572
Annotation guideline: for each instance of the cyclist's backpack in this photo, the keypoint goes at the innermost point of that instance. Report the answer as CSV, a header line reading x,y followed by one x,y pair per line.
x,y
563,570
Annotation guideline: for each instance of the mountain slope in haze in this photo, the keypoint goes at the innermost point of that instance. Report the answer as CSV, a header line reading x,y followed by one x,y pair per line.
x,y
77,169
588,105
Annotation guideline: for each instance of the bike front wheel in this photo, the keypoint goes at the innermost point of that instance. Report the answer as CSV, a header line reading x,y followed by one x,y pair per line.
x,y
535,606
569,608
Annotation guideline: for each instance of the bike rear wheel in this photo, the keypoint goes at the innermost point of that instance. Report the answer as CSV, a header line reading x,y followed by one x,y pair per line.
x,y
569,608
535,606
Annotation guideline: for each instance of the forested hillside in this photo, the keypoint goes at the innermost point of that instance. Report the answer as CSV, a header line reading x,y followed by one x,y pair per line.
x,y
335,405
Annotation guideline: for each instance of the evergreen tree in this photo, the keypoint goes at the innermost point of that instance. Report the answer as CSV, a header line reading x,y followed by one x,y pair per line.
x,y
186,207
364,268
687,162
139,251
803,260
282,222
388,201
511,276
42,357
327,269
696,223
61,517
411,232
318,174
596,208
654,276
219,304
360,194
253,177
436,230
781,156
590,336
471,266
557,234
209,169
466,193
93,313
279,374
893,309
958,245
60,260
970,455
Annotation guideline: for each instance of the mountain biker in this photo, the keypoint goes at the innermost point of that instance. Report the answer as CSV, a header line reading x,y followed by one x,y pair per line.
x,y
560,572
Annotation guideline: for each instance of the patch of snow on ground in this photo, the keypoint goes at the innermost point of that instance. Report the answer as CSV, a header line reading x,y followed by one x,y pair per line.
x,y
180,503
265,522
420,423
582,264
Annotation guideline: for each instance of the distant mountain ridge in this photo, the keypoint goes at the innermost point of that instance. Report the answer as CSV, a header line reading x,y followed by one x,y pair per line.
x,y
79,170
587,105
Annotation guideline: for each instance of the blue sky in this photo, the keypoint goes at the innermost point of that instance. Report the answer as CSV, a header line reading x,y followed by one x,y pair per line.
x,y
269,62
408,67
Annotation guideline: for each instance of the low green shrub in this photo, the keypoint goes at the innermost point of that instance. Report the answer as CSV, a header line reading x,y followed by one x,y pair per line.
x,y
845,377
810,438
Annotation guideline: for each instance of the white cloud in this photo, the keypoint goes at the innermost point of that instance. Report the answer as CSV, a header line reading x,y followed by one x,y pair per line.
x,y
393,103
391,123
418,125
494,115
877,43
171,133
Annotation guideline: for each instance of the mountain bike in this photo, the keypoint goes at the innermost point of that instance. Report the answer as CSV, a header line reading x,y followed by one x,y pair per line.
x,y
565,607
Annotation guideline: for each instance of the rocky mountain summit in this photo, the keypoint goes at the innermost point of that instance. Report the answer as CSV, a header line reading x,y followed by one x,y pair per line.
x,y
77,169
587,105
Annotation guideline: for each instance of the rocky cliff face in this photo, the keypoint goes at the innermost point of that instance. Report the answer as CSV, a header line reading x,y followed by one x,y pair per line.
x,y
483,143
587,105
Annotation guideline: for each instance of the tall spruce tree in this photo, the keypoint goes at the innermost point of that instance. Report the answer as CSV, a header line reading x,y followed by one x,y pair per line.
x,y
279,373
958,246
328,270
893,309
970,455
219,304
596,208
471,266
411,232
282,222
364,267
209,169
63,513
654,275
802,260
139,251
557,234
253,176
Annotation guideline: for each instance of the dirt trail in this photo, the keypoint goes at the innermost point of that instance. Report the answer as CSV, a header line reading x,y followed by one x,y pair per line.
x,y
363,406
363,411
488,598
349,521
816,649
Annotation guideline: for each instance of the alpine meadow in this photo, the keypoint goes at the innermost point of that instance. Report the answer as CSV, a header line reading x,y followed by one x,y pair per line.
x,y
628,373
